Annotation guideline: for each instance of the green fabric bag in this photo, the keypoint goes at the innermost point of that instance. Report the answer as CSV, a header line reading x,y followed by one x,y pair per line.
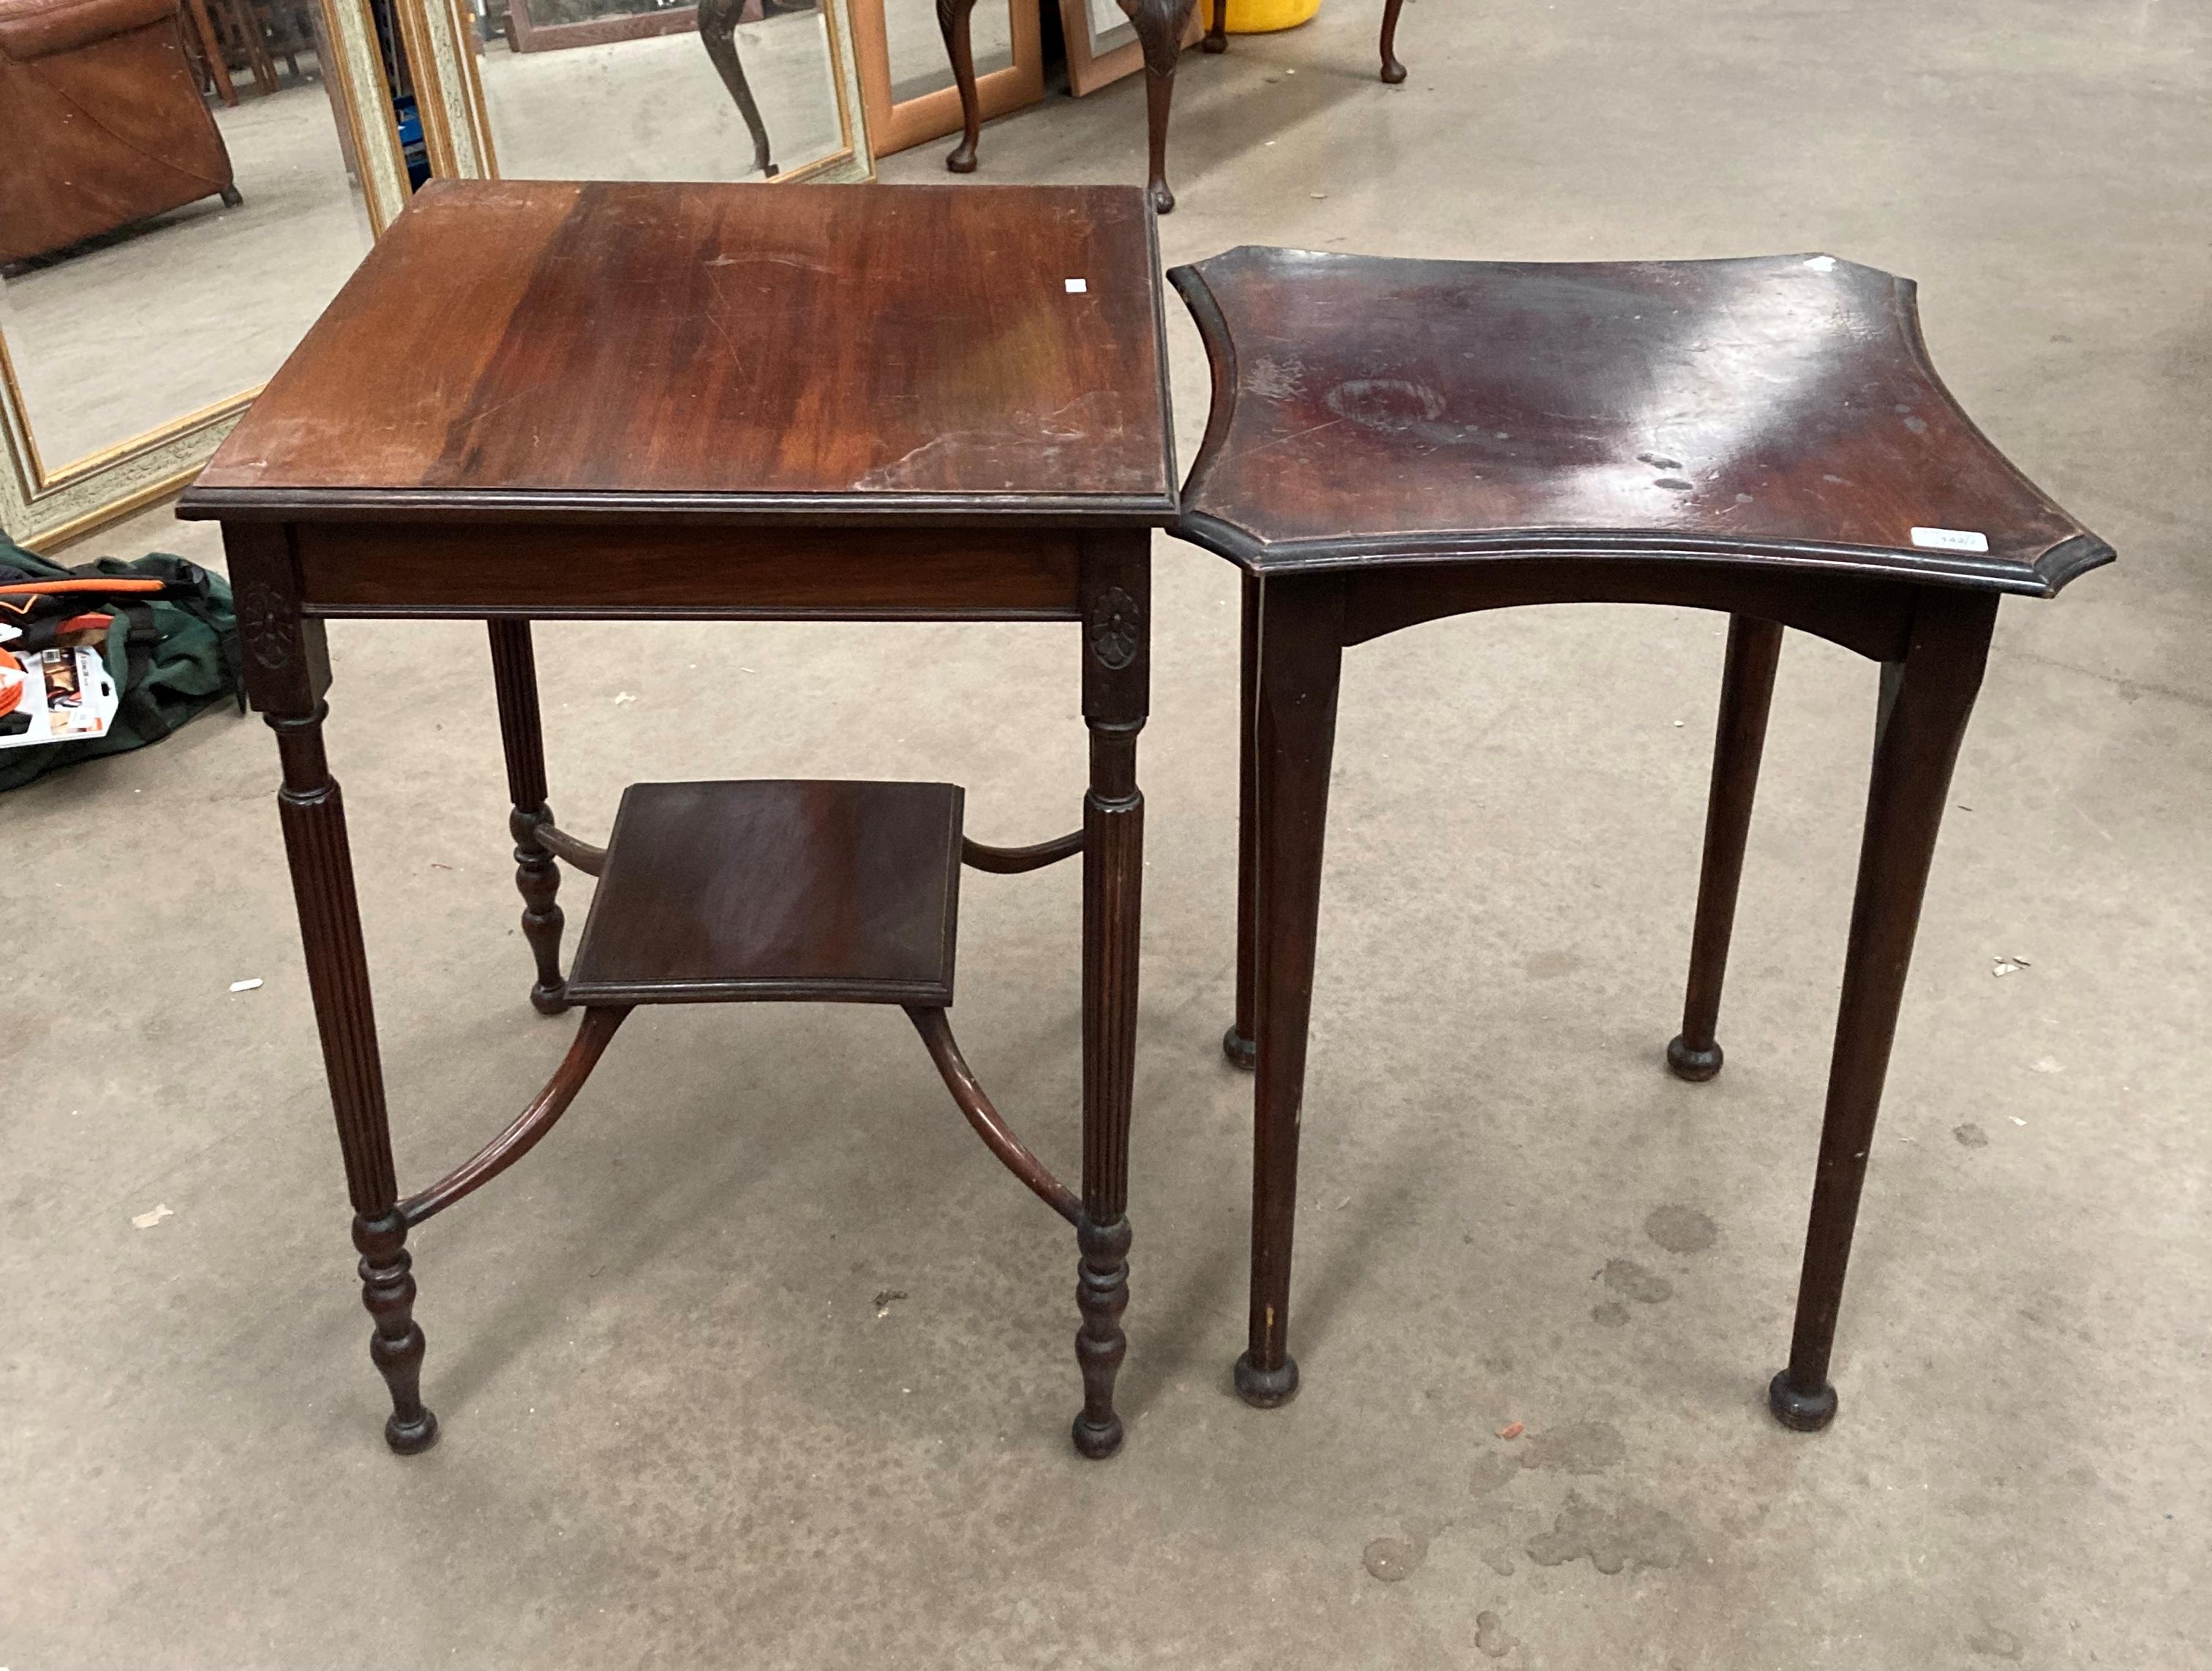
x,y
171,657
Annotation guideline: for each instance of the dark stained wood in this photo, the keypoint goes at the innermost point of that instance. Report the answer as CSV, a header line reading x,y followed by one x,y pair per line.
x,y
1774,409
1014,861
1293,739
592,1037
1236,1043
1393,442
670,344
718,33
998,1137
468,568
1392,71
537,877
1754,648
796,890
287,671
571,850
1117,698
952,22
592,402
1926,700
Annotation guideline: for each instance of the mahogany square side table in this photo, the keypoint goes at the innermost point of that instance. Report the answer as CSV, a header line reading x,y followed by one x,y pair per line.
x,y
1392,441
793,403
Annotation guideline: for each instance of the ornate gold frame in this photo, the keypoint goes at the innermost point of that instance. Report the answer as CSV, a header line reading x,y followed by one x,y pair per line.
x,y
457,125
44,507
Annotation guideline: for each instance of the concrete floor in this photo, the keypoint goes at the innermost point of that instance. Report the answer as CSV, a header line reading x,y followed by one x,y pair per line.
x,y
760,1361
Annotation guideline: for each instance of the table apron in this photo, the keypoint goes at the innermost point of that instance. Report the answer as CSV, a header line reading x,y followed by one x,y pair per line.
x,y
804,573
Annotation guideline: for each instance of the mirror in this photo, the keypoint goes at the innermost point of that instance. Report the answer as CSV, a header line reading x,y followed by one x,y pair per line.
x,y
633,89
187,186
906,75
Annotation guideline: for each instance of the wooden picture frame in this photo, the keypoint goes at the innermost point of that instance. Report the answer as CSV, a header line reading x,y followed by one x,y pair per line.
x,y
1090,69
46,502
529,37
898,126
445,50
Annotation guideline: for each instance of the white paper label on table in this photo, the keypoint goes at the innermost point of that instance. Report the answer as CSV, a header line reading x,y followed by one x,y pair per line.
x,y
1950,539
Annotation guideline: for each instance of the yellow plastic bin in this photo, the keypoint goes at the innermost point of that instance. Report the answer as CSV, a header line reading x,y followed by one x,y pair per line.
x,y
1260,17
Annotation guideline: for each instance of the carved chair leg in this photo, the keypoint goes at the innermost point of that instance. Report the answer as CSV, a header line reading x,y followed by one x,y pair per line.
x,y
1926,700
718,33
1160,25
1392,71
1116,586
537,876
1747,691
1236,1042
1300,658
1216,29
952,20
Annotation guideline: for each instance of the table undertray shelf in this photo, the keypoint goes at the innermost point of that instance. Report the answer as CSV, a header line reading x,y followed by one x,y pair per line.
x,y
807,890
792,890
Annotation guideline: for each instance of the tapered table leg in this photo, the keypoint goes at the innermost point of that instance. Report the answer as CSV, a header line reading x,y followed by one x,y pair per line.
x,y
1747,692
536,875
1926,700
287,671
1392,71
1300,655
1160,25
1236,1042
1116,678
952,21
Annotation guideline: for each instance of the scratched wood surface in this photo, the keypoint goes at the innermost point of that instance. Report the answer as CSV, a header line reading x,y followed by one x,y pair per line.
x,y
1780,407
876,345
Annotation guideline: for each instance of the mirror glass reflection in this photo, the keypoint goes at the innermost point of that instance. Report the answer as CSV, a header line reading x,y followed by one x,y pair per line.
x,y
627,89
179,197
914,44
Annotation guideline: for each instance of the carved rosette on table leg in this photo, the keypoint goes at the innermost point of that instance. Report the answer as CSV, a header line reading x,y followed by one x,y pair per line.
x,y
1116,593
287,671
952,22
1159,24
1926,700
537,874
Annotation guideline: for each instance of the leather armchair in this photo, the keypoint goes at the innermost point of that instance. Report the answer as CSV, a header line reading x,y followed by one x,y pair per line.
x,y
101,123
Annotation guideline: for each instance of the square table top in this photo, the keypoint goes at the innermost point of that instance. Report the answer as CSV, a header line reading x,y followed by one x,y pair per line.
x,y
1778,410
741,352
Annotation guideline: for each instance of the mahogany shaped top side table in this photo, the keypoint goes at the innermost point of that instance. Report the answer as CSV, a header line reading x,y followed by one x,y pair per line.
x,y
1393,442
540,399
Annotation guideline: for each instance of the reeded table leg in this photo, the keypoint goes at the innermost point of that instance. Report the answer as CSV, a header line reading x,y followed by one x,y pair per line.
x,y
1160,25
286,672
1236,1042
1747,691
1300,654
1392,71
1116,684
1926,700
952,20
537,876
